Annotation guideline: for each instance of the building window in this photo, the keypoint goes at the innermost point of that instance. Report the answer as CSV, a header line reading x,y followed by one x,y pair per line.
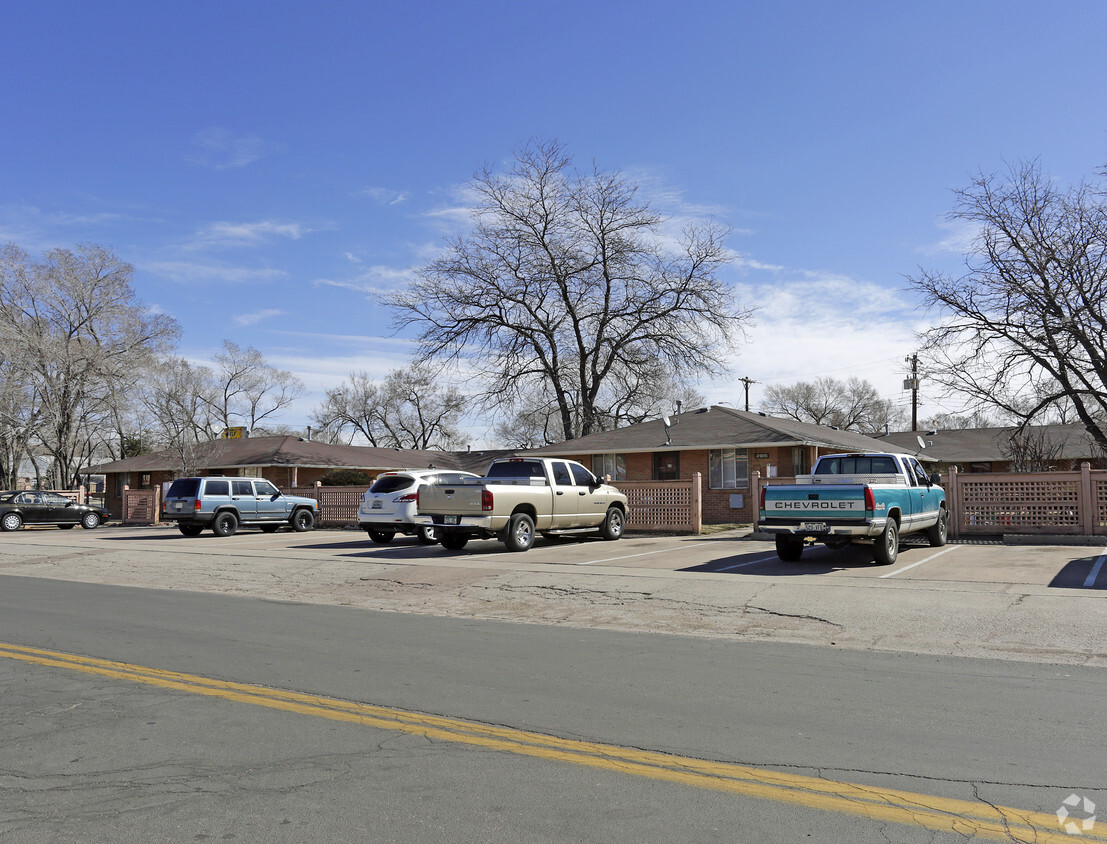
x,y
728,468
799,461
610,464
666,466
121,480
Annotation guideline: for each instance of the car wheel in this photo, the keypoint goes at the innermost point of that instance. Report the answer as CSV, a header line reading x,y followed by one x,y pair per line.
x,y
303,520
454,541
520,533
886,548
381,537
11,521
939,532
269,528
190,530
90,521
788,548
427,535
612,527
225,524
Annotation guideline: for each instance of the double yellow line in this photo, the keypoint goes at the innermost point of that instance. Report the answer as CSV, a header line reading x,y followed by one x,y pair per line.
x,y
964,817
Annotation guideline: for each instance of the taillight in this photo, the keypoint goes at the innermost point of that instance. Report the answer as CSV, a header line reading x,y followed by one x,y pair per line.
x,y
196,505
870,499
404,499
762,504
486,499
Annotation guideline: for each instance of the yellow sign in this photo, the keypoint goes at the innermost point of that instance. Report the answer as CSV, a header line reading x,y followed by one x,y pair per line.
x,y
234,433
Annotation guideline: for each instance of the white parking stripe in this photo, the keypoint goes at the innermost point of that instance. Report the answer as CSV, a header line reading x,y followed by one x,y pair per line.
x,y
750,563
920,562
643,554
1095,570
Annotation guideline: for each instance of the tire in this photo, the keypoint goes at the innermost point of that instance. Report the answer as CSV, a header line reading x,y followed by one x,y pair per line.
x,y
613,523
225,524
425,535
11,521
519,535
454,541
788,548
886,548
302,520
938,533
381,537
270,528
90,521
190,530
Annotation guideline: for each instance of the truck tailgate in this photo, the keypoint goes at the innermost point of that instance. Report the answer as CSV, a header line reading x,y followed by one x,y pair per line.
x,y
823,503
456,499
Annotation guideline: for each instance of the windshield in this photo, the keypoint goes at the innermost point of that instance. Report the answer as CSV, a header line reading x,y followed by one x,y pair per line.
x,y
184,488
392,483
517,469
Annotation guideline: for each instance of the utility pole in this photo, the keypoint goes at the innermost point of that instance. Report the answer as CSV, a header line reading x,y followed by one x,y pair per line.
x,y
912,384
747,382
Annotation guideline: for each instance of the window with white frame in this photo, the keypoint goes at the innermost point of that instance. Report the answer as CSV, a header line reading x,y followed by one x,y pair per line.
x,y
610,464
728,468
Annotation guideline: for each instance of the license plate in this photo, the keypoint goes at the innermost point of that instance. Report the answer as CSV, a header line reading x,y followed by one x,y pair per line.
x,y
814,527
376,505
177,505
449,520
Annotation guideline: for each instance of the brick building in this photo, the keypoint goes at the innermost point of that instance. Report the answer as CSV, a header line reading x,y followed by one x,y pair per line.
x,y
723,444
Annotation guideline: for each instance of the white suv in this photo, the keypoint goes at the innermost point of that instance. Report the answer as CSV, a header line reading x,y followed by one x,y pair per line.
x,y
388,507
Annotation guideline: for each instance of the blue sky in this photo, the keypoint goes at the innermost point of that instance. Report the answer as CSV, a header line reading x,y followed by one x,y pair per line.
x,y
267,166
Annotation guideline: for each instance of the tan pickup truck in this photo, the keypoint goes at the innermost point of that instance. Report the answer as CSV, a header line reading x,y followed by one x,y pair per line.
x,y
519,496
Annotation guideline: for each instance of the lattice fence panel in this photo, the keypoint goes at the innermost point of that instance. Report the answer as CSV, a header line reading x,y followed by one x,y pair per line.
x,y
140,507
657,506
1020,504
1099,498
337,504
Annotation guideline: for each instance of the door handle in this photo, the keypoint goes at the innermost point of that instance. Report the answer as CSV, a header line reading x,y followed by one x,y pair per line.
x,y
559,492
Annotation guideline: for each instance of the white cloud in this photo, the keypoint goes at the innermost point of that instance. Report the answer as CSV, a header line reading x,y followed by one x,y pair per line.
x,y
372,281
385,196
228,234
221,149
255,318
193,271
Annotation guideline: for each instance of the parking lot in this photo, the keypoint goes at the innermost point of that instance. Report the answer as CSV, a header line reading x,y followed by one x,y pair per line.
x,y
1039,602
733,553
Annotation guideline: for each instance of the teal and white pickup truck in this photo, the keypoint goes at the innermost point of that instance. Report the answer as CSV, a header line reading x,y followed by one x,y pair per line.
x,y
855,498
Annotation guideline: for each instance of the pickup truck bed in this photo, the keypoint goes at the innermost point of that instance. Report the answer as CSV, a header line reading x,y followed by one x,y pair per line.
x,y
521,496
837,508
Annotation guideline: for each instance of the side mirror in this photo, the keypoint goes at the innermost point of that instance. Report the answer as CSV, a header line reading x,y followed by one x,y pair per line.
x,y
936,479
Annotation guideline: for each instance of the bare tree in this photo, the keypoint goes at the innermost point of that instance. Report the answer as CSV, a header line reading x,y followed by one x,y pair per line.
x,y
536,419
246,389
1025,328
567,281
852,405
71,327
1031,449
409,409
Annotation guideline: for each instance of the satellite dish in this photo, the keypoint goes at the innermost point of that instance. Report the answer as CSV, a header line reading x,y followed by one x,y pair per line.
x,y
922,443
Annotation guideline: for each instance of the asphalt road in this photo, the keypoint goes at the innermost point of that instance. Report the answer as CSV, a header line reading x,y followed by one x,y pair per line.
x,y
185,713
97,756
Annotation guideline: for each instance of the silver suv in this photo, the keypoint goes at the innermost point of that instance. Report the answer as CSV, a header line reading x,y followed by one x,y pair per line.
x,y
223,504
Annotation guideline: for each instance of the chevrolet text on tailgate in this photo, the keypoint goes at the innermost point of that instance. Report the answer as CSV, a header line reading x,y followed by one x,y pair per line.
x,y
521,495
855,498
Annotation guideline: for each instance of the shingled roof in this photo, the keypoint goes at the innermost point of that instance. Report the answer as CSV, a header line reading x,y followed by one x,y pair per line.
x,y
286,451
716,427
991,445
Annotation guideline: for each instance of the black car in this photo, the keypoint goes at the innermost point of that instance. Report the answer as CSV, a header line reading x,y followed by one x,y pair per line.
x,y
29,507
